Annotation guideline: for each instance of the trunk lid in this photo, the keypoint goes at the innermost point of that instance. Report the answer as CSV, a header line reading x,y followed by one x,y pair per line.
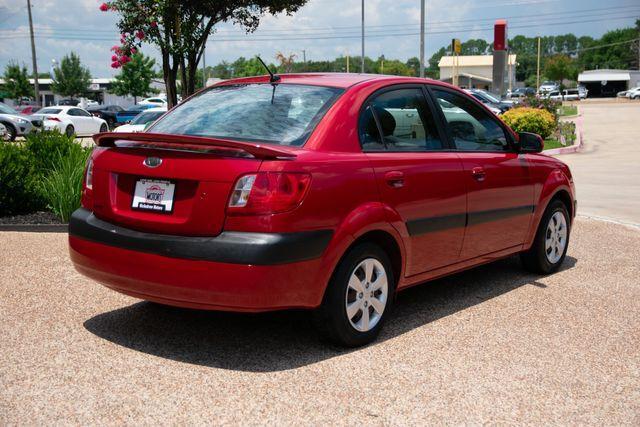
x,y
201,170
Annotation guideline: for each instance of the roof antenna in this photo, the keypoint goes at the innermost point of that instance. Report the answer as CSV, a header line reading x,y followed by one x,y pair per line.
x,y
273,78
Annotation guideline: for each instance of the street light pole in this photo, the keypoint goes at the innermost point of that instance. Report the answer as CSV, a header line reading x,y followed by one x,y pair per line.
x,y
36,86
422,12
362,58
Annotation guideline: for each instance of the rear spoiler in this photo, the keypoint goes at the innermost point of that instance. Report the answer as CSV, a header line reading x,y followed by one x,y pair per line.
x,y
161,140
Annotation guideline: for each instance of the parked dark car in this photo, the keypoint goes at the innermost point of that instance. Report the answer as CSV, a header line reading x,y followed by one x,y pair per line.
x,y
490,100
70,102
125,116
523,92
106,112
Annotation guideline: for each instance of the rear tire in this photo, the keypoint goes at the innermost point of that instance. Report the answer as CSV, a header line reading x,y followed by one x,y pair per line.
x,y
551,241
104,128
69,131
358,298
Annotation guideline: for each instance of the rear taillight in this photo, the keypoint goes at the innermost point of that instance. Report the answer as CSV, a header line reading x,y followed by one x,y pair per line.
x,y
88,176
87,186
54,119
268,193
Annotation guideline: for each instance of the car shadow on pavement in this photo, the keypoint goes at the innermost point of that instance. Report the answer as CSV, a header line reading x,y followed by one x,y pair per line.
x,y
286,340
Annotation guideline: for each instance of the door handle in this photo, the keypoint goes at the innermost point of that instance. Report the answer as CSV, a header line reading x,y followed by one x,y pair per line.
x,y
394,179
478,173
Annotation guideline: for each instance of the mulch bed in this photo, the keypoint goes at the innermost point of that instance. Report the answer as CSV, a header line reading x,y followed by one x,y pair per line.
x,y
36,221
32,218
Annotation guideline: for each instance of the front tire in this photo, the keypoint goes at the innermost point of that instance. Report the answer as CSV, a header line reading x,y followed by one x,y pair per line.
x,y
551,242
11,133
358,298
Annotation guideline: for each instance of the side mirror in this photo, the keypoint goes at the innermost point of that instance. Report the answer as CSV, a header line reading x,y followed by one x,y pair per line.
x,y
530,142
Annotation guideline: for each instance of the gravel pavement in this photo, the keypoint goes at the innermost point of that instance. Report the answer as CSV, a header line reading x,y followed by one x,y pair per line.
x,y
492,345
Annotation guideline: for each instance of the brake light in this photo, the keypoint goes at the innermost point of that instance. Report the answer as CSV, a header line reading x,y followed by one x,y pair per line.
x,y
266,193
88,177
53,119
87,188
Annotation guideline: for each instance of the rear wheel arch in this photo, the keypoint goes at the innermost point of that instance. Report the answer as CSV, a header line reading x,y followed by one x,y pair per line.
x,y
388,243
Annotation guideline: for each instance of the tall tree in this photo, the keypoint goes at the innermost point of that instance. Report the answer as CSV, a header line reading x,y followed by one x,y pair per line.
x,y
16,81
286,61
135,77
181,28
560,67
71,78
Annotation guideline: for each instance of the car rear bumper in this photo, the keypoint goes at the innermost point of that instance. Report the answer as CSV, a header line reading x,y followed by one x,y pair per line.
x,y
233,271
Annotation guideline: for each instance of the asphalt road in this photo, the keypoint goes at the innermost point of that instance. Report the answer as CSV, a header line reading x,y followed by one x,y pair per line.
x,y
607,170
492,345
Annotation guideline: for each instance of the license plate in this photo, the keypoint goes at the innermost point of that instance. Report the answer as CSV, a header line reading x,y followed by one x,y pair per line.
x,y
153,195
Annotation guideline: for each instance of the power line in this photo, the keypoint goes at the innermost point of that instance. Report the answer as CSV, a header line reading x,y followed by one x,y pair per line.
x,y
582,13
332,37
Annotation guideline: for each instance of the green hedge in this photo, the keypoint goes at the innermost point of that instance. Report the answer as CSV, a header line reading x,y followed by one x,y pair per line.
x,y
41,174
524,119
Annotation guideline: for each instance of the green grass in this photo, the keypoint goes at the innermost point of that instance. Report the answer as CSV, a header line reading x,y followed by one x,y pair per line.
x,y
552,143
568,110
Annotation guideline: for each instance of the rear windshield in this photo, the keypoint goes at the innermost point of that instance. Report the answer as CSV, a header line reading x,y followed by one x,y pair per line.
x,y
283,114
50,111
146,117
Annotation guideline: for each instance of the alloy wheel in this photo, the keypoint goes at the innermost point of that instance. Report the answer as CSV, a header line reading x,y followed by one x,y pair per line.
x,y
555,237
367,293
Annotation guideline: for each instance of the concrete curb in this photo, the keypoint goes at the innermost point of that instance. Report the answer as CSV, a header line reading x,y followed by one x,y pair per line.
x,y
35,228
572,148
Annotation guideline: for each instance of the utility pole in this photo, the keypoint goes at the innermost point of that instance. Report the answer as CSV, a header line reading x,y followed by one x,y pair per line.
x,y
304,59
362,57
36,86
538,67
347,61
422,11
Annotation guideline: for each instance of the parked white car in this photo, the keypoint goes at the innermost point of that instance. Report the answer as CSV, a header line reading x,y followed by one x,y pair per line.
x,y
71,120
572,95
633,93
583,92
142,120
547,87
156,100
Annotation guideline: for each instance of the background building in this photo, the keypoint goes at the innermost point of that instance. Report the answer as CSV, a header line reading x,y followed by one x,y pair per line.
x,y
475,71
603,83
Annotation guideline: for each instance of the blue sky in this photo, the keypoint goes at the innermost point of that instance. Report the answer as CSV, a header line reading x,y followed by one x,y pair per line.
x,y
323,28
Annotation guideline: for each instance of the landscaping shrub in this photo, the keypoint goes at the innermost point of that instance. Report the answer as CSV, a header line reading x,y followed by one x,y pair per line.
x,y
47,147
44,172
62,186
547,104
525,119
567,133
18,188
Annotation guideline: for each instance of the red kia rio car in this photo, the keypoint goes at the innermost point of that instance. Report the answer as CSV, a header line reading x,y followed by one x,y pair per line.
x,y
328,192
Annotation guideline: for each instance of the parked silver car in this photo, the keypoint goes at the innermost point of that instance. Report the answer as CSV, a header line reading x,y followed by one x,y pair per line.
x,y
16,124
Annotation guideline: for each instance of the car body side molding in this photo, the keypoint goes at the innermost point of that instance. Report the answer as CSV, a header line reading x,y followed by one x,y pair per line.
x,y
440,223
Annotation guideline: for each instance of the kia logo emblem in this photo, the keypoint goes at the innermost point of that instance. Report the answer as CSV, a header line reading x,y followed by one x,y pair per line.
x,y
152,162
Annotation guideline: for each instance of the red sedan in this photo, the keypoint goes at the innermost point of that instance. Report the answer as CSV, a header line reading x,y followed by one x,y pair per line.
x,y
328,192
